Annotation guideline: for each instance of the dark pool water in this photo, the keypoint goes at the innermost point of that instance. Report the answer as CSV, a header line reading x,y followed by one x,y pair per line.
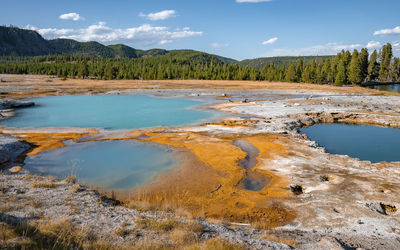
x,y
108,165
252,181
369,143
108,111
387,87
252,152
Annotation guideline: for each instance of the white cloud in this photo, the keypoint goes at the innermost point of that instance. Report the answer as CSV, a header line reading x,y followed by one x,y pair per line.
x,y
394,31
326,49
145,34
396,47
373,45
165,42
50,31
71,16
162,15
270,41
219,45
252,1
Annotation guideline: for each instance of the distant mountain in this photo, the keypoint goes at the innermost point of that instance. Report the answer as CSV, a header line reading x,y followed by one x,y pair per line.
x,y
259,63
68,46
18,42
121,50
21,42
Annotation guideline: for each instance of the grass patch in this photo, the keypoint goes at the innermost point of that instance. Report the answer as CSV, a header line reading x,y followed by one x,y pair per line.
x,y
182,237
60,234
216,244
168,225
122,232
6,233
70,179
44,184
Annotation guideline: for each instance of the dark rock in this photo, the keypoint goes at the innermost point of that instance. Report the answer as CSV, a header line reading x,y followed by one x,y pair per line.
x,y
11,104
4,157
296,189
388,209
324,178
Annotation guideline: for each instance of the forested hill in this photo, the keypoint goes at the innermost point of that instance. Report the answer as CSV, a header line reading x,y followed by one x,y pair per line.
x,y
21,42
26,52
259,63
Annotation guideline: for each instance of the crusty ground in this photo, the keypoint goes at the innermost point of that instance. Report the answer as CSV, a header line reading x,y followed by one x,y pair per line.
x,y
341,195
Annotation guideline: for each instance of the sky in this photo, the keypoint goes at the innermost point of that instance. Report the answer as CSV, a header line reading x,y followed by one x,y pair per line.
x,y
239,29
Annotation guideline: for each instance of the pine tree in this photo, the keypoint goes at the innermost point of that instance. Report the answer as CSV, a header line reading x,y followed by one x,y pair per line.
x,y
363,57
340,78
386,59
395,70
291,75
313,71
306,76
373,67
326,72
299,69
355,74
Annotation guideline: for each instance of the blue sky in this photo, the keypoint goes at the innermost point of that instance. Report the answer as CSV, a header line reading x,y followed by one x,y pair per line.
x,y
234,28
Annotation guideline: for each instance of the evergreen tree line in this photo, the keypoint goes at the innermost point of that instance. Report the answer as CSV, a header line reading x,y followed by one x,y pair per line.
x,y
344,68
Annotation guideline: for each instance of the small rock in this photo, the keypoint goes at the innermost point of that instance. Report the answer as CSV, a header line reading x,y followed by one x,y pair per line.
x,y
324,178
296,189
338,210
388,209
16,169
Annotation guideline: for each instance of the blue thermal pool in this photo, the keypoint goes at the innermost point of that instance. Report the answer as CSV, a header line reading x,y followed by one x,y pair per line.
x,y
369,143
122,164
108,112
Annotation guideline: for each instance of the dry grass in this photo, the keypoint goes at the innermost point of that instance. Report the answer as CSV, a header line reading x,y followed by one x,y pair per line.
x,y
76,188
30,177
9,206
60,234
6,233
157,225
122,232
64,232
168,225
36,203
70,179
44,184
182,237
211,244
215,244
141,205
